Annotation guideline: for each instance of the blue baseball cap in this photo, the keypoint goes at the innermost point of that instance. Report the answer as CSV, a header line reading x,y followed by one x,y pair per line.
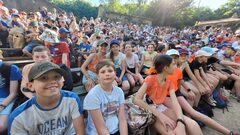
x,y
208,50
114,42
63,30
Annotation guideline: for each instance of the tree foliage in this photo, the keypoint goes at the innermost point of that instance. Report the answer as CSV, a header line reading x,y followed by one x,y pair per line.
x,y
79,8
176,13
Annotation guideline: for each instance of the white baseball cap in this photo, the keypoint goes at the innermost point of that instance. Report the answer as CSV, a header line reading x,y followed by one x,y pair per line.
x,y
200,53
172,52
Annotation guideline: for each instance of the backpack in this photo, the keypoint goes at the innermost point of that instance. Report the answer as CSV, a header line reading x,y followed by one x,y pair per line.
x,y
68,83
221,103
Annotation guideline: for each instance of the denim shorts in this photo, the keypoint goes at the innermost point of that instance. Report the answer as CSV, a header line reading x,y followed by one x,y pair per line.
x,y
92,75
118,73
8,109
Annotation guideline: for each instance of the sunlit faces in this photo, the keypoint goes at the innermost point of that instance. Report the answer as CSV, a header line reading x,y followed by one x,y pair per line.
x,y
115,48
128,48
150,48
183,57
175,59
102,49
41,56
106,75
203,58
47,85
170,69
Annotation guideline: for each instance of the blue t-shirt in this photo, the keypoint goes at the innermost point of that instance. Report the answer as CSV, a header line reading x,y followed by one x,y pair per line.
x,y
15,75
84,47
30,118
108,103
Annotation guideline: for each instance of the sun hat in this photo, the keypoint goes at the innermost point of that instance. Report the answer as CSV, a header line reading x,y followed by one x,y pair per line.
x,y
172,52
200,53
49,36
38,69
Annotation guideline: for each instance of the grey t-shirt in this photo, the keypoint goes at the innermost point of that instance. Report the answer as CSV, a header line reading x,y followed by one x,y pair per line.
x,y
30,119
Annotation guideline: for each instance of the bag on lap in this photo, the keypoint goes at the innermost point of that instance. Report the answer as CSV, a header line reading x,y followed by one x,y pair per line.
x,y
137,118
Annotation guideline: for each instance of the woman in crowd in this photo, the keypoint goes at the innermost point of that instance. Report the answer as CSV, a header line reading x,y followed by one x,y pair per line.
x,y
89,66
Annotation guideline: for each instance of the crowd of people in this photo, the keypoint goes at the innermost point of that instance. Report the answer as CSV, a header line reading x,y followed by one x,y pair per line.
x,y
176,69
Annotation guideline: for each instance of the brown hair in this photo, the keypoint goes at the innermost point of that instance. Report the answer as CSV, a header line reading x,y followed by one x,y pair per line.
x,y
41,49
103,63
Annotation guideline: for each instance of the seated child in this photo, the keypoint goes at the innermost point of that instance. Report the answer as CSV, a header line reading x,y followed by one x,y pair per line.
x,y
105,104
52,110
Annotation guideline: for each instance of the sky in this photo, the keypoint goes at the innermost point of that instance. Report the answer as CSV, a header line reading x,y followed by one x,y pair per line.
x,y
213,4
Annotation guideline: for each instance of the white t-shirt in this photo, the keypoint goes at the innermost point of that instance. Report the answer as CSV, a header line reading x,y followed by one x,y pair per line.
x,y
118,60
108,103
132,61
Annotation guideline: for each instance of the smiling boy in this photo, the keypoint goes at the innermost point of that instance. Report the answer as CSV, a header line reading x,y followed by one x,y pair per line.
x,y
52,110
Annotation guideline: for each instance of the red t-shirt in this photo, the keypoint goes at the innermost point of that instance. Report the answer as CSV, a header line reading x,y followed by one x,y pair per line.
x,y
57,50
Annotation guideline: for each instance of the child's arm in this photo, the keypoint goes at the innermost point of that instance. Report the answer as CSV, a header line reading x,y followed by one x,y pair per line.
x,y
99,122
64,58
176,106
197,74
78,124
123,128
138,100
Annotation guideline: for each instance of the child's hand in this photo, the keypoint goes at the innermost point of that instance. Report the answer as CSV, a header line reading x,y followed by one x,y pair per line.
x,y
191,95
166,122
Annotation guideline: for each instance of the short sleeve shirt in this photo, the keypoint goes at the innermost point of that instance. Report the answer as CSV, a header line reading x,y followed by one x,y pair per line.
x,y
132,61
108,103
175,77
30,118
118,60
155,91
57,51
15,75
149,58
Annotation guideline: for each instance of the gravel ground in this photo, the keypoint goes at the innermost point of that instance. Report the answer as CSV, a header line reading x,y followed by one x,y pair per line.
x,y
230,119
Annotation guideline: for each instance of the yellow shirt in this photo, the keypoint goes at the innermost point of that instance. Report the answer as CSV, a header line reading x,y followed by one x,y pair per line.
x,y
148,61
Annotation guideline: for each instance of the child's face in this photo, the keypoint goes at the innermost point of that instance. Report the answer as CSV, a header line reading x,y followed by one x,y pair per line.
x,y
170,68
41,56
115,48
106,75
183,57
150,48
47,85
128,48
175,59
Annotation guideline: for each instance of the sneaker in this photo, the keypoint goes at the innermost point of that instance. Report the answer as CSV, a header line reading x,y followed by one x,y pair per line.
x,y
211,102
234,133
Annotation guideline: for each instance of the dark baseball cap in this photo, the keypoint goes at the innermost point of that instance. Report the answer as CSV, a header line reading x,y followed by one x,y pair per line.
x,y
63,30
39,69
114,42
